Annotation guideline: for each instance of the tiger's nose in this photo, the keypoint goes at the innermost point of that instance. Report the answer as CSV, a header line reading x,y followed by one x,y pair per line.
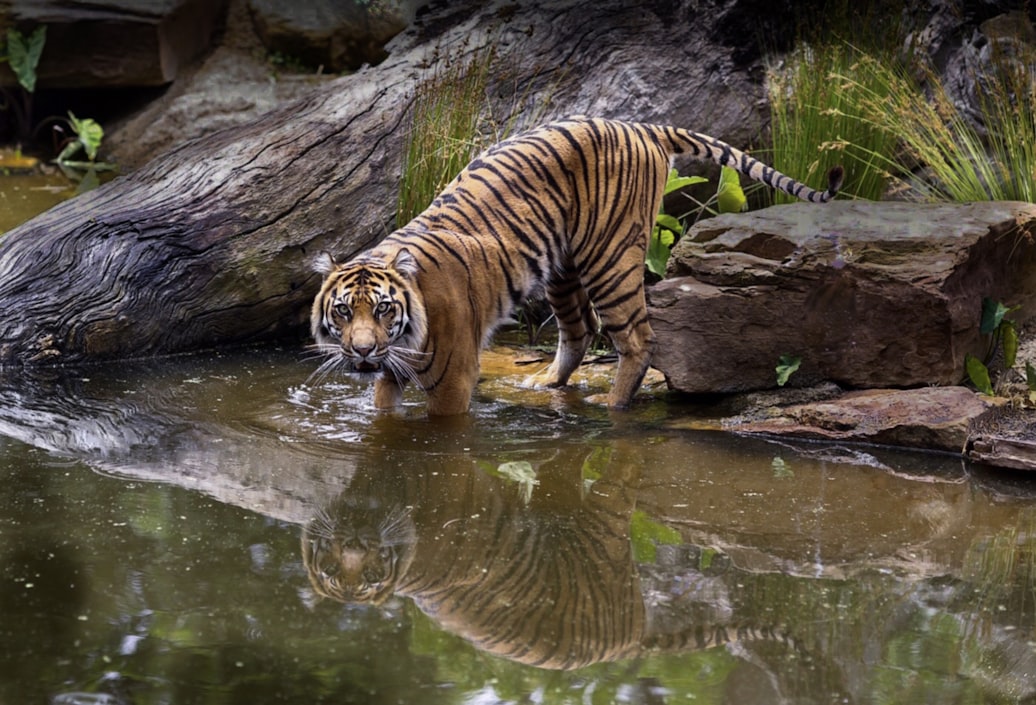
x,y
363,350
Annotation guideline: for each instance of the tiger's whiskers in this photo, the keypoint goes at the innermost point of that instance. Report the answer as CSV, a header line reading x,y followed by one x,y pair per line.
x,y
397,529
398,360
322,525
402,362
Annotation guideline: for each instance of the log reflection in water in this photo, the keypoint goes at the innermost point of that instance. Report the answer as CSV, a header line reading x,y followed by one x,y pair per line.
x,y
169,426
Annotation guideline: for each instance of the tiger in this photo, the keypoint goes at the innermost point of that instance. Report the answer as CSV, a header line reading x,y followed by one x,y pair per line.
x,y
563,210
548,580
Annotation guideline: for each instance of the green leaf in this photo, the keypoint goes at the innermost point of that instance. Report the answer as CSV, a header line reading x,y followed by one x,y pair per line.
x,y
978,373
730,197
780,468
1030,376
646,534
1010,338
24,55
786,365
670,223
705,559
520,472
595,463
675,181
658,250
993,313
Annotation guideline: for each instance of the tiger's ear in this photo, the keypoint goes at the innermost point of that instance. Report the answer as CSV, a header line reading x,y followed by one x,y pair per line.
x,y
405,264
325,263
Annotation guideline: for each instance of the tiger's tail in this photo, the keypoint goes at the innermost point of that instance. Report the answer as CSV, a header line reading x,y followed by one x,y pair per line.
x,y
699,637
711,149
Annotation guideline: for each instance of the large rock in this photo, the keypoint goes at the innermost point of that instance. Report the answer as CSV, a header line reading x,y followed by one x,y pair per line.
x,y
113,42
867,294
336,34
232,86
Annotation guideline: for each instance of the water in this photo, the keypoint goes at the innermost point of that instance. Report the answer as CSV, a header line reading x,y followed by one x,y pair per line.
x,y
547,550
23,196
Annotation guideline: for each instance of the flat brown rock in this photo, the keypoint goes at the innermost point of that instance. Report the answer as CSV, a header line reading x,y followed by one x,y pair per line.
x,y
1014,453
933,418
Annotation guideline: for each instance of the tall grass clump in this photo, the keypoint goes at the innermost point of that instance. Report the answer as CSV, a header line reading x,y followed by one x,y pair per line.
x,y
814,100
443,130
944,153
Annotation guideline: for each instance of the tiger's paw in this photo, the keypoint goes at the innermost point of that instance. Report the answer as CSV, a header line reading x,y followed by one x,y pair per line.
x,y
544,379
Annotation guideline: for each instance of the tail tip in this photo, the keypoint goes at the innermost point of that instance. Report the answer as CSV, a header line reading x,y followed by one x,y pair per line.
x,y
834,181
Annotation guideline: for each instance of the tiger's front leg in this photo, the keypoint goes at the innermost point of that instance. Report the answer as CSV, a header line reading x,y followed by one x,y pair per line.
x,y
388,391
452,394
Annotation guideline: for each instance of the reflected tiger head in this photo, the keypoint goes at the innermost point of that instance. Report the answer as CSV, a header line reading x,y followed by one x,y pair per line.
x,y
369,316
358,551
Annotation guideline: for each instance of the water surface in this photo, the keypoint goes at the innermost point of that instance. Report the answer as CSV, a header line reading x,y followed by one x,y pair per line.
x,y
151,551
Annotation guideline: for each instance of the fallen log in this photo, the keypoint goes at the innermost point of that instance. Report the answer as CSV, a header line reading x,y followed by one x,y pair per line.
x,y
211,243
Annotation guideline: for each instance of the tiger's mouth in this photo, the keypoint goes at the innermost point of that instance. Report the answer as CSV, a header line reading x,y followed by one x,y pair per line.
x,y
366,366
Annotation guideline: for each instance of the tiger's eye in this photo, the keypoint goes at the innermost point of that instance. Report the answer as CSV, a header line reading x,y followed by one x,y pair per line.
x,y
382,308
343,310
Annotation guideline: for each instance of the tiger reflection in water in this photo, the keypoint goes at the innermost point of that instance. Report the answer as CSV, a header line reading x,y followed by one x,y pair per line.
x,y
550,583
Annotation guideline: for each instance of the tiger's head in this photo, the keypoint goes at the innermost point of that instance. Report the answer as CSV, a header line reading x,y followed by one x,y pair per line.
x,y
369,316
358,550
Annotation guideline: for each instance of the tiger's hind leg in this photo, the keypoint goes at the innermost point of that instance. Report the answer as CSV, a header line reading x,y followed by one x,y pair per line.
x,y
623,311
577,326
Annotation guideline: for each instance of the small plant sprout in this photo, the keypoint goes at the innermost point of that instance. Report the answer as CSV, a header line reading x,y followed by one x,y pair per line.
x,y
1003,337
88,136
786,366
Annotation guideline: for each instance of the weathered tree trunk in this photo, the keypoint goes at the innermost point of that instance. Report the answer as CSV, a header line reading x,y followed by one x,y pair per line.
x,y
211,243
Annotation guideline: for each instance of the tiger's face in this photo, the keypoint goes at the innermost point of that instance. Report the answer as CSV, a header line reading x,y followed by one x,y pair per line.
x,y
368,317
358,553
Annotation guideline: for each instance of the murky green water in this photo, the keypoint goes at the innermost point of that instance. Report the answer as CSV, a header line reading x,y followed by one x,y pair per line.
x,y
547,552
23,196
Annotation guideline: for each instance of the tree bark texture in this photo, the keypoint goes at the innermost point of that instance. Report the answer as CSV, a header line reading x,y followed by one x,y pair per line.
x,y
212,243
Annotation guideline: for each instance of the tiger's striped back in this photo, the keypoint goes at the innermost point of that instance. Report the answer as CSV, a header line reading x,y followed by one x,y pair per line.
x,y
565,209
